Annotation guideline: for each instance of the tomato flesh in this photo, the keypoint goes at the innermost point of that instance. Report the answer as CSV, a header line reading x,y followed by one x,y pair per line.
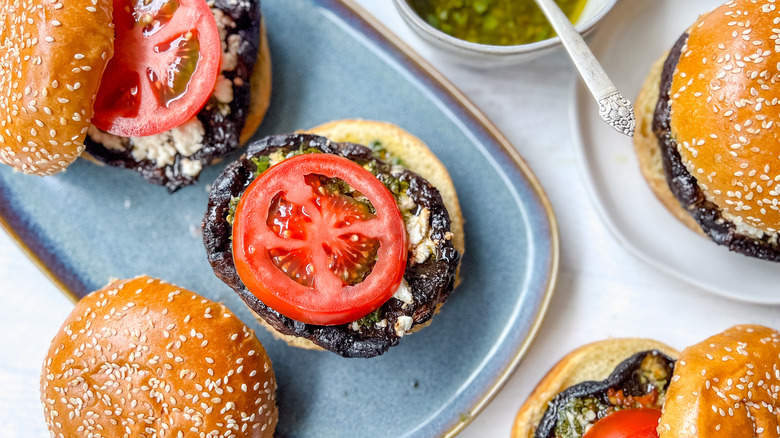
x,y
627,423
166,61
315,254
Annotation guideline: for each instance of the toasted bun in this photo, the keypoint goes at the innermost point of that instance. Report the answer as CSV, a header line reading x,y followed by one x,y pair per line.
x,y
415,155
260,88
594,361
722,110
726,386
49,79
144,358
648,151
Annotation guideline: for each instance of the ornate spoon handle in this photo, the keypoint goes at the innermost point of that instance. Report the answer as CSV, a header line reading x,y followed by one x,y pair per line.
x,y
613,107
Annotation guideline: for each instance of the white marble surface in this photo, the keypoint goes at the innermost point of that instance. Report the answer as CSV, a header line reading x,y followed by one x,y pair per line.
x,y
602,290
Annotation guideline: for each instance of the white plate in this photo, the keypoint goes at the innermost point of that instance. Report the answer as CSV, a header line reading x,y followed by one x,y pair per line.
x,y
628,41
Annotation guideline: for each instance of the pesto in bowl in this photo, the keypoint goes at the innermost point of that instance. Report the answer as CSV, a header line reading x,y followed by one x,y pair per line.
x,y
491,33
495,22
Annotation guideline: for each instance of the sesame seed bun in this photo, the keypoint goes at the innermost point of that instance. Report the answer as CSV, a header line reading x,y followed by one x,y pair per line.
x,y
49,79
722,117
726,386
142,357
593,361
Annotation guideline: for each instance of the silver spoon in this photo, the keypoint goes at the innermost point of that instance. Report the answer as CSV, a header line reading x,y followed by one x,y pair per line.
x,y
613,107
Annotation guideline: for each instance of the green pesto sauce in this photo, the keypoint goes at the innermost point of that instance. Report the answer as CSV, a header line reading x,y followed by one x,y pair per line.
x,y
494,22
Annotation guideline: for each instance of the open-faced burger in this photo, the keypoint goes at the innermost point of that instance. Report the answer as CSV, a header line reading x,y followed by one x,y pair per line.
x,y
163,87
334,244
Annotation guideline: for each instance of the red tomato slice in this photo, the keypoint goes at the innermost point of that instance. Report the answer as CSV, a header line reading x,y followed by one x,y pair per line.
x,y
627,423
166,61
314,254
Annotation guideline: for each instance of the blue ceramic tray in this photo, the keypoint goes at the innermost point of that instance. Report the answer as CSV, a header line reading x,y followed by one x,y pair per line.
x,y
331,61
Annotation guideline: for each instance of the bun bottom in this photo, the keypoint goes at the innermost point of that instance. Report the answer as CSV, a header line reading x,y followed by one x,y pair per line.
x,y
594,361
648,151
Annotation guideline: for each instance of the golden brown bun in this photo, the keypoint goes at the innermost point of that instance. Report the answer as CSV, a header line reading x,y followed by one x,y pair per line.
x,y
723,113
260,88
726,386
145,358
415,155
594,361
648,151
49,79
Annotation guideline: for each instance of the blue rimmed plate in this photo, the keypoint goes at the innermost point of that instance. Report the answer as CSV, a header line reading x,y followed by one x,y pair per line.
x,y
331,61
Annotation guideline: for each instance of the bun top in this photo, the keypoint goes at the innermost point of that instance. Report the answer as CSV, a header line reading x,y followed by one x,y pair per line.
x,y
53,55
723,115
726,386
145,358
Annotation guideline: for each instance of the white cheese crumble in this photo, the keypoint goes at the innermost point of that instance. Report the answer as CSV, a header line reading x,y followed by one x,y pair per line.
x,y
190,168
419,232
157,148
417,226
223,90
162,148
403,324
405,203
229,43
403,293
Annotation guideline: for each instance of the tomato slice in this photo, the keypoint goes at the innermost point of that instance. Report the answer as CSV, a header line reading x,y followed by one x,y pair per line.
x,y
166,61
627,423
319,239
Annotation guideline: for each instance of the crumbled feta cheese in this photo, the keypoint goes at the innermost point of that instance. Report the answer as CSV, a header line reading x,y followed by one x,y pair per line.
x,y
405,203
190,167
188,138
158,148
230,53
230,43
403,293
223,90
419,232
417,226
110,141
162,148
403,324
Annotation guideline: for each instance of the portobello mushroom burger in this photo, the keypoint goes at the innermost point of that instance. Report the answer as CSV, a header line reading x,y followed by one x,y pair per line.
x,y
722,387
708,128
164,87
333,244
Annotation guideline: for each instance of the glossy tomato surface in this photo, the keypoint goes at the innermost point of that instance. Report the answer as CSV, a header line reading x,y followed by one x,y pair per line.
x,y
627,423
319,239
166,61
